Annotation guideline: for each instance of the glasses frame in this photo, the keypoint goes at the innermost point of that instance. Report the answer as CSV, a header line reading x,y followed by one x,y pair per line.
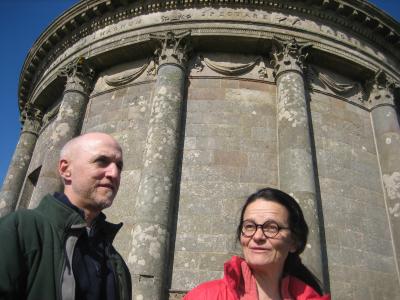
x,y
262,226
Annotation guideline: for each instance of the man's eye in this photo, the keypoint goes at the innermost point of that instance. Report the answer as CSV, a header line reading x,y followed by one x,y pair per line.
x,y
102,161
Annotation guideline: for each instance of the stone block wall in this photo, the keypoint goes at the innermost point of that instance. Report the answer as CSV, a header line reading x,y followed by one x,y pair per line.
x,y
123,113
360,254
229,152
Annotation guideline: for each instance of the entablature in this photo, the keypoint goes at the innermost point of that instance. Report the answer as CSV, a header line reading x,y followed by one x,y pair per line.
x,y
87,17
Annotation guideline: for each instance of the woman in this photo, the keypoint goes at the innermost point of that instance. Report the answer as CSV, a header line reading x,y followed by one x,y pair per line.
x,y
272,232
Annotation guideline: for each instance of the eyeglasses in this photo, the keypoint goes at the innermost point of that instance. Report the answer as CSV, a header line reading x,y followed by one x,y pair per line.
x,y
269,228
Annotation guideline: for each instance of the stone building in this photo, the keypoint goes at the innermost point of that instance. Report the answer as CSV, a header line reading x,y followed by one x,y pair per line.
x,y
211,100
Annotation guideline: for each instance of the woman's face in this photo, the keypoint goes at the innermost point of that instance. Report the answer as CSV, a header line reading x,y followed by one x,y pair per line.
x,y
260,251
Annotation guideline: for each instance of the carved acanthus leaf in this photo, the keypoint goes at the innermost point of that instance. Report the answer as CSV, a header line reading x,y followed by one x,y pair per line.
x,y
262,71
51,114
32,118
79,75
380,88
119,80
153,66
31,112
174,47
198,65
289,55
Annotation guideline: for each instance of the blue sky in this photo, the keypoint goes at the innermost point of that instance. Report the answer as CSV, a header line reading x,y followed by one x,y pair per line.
x,y
21,23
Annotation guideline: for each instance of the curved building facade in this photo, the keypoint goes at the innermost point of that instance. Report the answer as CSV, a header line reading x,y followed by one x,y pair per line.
x,y
212,100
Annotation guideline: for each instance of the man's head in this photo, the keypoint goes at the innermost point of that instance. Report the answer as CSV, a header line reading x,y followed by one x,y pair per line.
x,y
90,166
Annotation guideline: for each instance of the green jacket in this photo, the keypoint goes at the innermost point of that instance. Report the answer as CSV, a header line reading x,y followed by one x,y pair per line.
x,y
36,253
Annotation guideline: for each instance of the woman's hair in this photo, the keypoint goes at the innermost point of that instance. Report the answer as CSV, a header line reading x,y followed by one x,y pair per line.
x,y
299,232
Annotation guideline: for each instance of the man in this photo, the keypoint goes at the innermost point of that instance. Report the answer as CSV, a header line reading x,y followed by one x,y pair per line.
x,y
63,248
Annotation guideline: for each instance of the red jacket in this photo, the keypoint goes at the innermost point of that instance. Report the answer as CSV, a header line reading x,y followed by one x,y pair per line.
x,y
239,284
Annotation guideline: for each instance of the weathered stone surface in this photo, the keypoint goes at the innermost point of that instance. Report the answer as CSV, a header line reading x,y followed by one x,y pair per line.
x,y
386,127
66,126
232,144
296,155
356,224
16,173
130,132
155,205
185,278
229,152
173,295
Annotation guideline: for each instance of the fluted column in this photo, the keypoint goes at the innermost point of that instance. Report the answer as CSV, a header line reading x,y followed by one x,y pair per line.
x,y
387,138
296,157
157,193
66,126
13,182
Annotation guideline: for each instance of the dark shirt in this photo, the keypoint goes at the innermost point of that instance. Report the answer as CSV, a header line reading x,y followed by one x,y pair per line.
x,y
92,269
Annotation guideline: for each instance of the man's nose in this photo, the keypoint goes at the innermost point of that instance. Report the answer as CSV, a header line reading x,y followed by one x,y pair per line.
x,y
113,170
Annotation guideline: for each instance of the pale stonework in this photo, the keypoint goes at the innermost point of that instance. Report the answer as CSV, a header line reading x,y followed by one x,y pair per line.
x,y
212,100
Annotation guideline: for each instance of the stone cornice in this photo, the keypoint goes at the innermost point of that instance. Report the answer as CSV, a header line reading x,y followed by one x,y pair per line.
x,y
88,16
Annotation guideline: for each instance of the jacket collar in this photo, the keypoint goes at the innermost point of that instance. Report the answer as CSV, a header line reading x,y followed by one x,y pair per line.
x,y
233,274
238,277
64,199
64,215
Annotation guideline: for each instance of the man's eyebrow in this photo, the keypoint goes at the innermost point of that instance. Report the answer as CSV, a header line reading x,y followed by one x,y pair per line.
x,y
101,156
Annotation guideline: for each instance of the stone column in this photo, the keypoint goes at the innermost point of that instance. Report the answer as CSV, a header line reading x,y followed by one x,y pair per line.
x,y
387,138
296,155
66,126
31,118
157,193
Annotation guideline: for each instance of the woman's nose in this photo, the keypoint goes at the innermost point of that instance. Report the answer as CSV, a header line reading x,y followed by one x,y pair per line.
x,y
259,234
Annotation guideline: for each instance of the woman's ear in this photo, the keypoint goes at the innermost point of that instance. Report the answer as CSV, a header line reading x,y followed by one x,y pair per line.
x,y
293,246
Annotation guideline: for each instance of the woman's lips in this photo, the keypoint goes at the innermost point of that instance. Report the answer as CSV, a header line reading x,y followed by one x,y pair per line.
x,y
259,249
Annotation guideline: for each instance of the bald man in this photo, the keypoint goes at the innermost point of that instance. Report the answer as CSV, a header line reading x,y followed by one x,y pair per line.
x,y
63,248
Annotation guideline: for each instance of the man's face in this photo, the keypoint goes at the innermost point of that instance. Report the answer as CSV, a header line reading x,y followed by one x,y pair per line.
x,y
93,173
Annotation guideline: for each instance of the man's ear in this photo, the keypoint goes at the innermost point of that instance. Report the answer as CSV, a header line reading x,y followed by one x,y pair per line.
x,y
64,170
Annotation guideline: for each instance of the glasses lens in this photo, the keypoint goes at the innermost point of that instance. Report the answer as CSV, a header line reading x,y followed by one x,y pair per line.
x,y
270,229
248,228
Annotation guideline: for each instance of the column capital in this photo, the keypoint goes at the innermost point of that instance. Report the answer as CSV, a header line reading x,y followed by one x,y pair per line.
x,y
79,76
173,48
288,55
380,89
31,118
